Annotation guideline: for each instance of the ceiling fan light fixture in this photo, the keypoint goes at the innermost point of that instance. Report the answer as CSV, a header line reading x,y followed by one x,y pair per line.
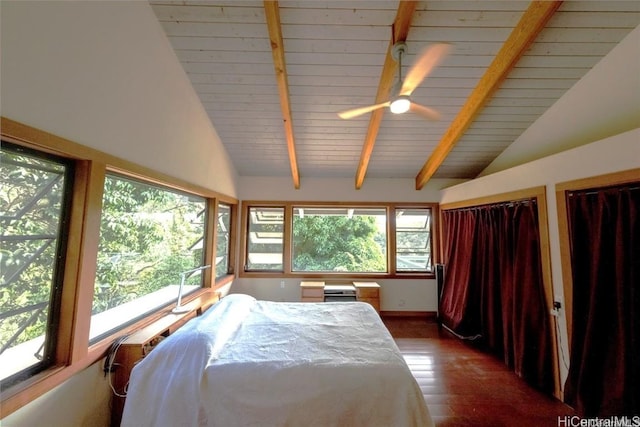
x,y
400,105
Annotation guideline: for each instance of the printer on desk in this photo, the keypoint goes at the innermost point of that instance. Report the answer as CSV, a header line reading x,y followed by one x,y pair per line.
x,y
339,293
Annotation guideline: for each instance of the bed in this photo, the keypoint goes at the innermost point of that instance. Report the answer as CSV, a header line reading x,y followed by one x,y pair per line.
x,y
247,362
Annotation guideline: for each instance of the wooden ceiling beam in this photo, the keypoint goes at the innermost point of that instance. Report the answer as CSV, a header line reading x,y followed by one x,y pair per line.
x,y
533,20
272,13
400,30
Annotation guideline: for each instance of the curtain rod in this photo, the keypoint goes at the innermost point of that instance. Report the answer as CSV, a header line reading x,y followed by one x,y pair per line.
x,y
510,203
592,191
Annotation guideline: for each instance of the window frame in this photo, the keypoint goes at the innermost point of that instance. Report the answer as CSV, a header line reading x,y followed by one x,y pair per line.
x,y
213,224
205,251
431,232
57,280
73,352
289,206
349,211
248,237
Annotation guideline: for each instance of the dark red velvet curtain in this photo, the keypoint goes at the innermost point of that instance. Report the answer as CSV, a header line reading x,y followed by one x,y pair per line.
x,y
493,287
604,375
457,310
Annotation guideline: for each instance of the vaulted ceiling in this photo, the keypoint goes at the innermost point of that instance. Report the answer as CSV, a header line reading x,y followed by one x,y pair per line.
x,y
273,76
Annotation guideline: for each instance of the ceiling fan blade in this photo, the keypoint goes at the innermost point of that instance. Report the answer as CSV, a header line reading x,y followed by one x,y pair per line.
x,y
426,112
349,114
427,61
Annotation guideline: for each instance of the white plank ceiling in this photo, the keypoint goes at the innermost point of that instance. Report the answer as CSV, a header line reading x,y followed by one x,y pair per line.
x,y
334,53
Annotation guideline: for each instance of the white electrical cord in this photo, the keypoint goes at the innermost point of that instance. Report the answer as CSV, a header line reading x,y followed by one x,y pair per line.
x,y
109,364
562,356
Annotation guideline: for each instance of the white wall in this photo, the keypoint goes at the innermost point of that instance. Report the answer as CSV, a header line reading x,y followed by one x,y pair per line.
x,y
396,294
614,154
340,189
103,74
81,401
417,295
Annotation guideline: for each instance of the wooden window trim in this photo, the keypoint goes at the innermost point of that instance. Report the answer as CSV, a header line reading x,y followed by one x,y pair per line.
x,y
73,352
212,237
82,266
244,238
211,234
287,250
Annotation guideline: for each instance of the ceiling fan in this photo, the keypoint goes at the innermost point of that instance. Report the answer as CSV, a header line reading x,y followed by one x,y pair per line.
x,y
400,101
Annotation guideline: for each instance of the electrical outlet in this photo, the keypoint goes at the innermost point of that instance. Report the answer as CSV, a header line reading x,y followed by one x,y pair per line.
x,y
282,284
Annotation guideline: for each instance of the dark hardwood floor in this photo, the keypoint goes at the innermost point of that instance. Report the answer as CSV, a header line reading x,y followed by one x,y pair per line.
x,y
465,387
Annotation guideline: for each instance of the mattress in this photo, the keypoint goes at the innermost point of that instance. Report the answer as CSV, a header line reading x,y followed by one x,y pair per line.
x,y
259,363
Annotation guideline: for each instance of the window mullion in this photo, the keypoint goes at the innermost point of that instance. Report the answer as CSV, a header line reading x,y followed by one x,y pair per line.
x,y
288,235
391,240
211,237
81,259
233,225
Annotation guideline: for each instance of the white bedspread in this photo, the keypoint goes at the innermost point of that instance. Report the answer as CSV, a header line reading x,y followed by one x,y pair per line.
x,y
258,363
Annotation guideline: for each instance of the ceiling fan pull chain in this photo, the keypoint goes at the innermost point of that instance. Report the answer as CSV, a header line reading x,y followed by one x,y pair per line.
x,y
400,65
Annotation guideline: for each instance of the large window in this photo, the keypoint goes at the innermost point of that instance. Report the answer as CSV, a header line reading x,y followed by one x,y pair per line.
x,y
382,240
339,239
67,221
149,235
34,209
